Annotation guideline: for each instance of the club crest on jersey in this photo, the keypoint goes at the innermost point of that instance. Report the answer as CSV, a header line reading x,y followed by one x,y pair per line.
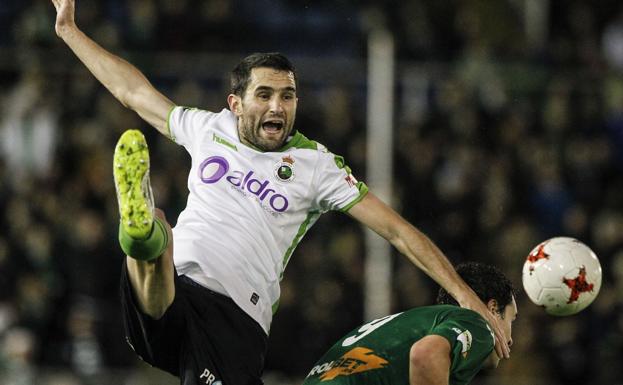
x,y
284,169
465,338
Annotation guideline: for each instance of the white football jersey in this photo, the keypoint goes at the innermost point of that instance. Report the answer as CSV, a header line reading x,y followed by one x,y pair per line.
x,y
247,210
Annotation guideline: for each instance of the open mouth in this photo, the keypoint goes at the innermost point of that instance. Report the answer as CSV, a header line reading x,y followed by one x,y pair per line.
x,y
272,126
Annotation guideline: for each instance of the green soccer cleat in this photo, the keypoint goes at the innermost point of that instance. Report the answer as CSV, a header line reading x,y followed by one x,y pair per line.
x,y
131,173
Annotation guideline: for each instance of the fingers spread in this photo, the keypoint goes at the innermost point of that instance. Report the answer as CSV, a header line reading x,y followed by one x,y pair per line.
x,y
504,349
498,350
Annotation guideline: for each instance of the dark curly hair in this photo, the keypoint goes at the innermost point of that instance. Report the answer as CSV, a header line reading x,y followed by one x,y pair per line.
x,y
487,281
241,74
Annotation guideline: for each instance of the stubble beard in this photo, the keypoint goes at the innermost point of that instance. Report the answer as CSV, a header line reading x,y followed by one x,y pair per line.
x,y
250,133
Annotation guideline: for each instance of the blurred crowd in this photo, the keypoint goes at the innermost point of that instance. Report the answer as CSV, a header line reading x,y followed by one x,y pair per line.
x,y
509,130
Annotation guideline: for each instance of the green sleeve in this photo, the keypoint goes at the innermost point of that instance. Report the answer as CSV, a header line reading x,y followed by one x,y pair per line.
x,y
471,343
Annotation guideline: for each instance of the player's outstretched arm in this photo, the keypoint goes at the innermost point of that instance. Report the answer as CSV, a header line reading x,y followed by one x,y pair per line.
x,y
429,361
422,252
122,79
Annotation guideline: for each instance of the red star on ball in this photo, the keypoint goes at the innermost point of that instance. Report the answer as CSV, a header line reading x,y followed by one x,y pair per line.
x,y
578,285
540,254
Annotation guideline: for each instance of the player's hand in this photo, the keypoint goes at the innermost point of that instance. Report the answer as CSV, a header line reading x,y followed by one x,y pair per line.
x,y
501,339
65,10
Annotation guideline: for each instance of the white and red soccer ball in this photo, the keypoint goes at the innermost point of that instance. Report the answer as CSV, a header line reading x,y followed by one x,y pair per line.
x,y
563,275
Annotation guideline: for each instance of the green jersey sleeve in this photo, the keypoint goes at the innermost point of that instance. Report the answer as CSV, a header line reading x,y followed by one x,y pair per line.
x,y
471,343
337,188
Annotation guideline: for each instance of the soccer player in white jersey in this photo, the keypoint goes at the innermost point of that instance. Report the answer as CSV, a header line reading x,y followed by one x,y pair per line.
x,y
198,300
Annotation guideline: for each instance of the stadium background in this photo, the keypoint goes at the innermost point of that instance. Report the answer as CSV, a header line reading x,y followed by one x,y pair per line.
x,y
508,130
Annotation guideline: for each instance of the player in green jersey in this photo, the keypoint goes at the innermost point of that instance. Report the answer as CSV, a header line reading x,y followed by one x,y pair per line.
x,y
433,345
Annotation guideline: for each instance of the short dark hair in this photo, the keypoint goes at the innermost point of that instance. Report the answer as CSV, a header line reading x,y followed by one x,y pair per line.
x,y
487,281
241,74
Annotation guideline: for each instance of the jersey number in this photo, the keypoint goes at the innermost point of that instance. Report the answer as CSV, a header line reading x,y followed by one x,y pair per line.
x,y
368,328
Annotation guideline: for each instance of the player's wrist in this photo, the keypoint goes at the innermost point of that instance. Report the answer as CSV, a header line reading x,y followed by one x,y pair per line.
x,y
466,298
66,30
461,293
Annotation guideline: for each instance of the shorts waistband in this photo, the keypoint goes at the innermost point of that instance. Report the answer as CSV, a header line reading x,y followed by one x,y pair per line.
x,y
191,282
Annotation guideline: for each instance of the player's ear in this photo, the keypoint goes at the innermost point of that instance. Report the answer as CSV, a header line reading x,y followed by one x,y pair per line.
x,y
235,104
492,305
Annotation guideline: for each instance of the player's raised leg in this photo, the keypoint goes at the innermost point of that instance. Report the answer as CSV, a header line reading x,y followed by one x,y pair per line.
x,y
144,234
